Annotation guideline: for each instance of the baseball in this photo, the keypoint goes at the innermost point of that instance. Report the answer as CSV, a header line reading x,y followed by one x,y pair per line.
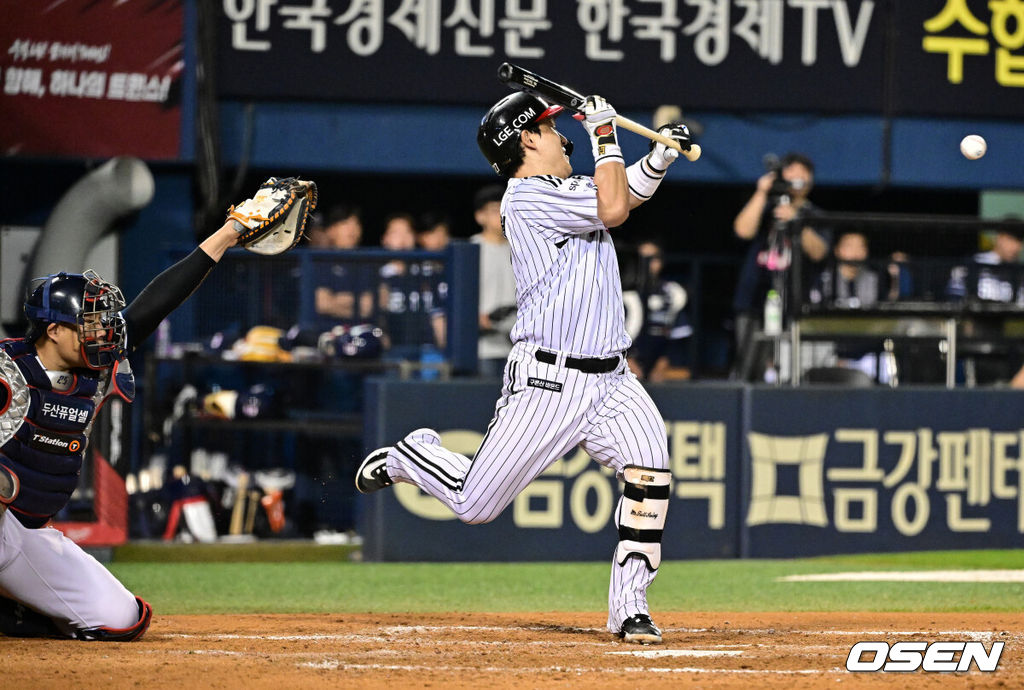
x,y
973,146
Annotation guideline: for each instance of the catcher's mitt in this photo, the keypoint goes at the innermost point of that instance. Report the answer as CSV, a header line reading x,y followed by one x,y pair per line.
x,y
273,221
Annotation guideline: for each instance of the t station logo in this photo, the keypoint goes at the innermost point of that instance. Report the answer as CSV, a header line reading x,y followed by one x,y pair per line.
x,y
936,657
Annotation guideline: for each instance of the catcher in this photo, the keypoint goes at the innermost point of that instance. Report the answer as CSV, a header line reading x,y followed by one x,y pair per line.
x,y
52,383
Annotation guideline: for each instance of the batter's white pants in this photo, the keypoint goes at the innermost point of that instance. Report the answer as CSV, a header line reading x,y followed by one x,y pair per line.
x,y
46,571
610,416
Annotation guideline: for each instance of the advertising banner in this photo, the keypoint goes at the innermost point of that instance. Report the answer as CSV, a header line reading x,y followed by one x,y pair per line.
x,y
756,472
759,54
842,471
959,57
91,79
932,57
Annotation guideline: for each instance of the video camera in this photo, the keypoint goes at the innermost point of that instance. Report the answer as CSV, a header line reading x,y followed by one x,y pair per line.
x,y
780,187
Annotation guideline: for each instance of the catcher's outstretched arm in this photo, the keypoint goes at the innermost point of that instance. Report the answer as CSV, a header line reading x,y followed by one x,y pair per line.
x,y
170,289
164,294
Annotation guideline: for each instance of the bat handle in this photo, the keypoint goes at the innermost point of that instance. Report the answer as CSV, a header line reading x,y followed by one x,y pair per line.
x,y
637,128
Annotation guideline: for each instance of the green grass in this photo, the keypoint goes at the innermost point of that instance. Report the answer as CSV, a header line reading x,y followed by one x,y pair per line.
x,y
726,585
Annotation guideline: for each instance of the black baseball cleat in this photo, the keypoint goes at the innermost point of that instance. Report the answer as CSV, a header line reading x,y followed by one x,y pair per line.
x,y
640,629
373,473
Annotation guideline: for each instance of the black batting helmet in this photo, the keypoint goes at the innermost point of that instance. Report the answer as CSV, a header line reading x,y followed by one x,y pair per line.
x,y
88,303
498,136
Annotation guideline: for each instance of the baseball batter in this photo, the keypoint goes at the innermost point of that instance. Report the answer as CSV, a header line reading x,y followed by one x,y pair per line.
x,y
566,382
52,384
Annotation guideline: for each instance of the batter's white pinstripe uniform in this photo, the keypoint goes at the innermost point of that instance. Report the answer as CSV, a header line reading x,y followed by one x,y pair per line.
x,y
570,312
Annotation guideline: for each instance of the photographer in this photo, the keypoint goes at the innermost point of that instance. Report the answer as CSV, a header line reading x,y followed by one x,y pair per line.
x,y
771,218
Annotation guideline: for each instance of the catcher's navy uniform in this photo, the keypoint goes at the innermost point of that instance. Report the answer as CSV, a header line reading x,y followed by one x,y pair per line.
x,y
50,586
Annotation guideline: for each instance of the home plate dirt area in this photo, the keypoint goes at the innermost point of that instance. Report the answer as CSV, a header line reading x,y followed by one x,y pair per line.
x,y
507,650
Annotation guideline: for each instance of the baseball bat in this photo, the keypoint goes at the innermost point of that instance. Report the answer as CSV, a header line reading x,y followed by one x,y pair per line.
x,y
250,511
238,511
524,80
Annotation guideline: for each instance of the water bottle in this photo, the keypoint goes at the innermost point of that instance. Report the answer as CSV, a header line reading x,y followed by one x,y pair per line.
x,y
430,359
773,314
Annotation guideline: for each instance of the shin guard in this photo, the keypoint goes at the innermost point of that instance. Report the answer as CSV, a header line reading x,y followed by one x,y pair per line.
x,y
641,518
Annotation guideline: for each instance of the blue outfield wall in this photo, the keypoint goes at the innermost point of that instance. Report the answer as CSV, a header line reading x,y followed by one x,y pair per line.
x,y
757,472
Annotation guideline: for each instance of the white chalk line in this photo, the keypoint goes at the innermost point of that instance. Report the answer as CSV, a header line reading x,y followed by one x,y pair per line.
x,y
405,629
381,639
340,666
659,653
988,576
378,638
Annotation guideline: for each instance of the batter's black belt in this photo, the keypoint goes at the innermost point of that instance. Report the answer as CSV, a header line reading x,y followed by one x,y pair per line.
x,y
588,365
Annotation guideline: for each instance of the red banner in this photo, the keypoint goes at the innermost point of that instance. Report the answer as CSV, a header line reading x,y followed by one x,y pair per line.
x,y
91,77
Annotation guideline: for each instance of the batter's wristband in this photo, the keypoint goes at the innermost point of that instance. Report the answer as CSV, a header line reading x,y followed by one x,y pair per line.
x,y
643,179
605,144
612,154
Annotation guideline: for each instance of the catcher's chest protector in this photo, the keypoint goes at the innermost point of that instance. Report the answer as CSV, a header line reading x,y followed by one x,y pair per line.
x,y
49,440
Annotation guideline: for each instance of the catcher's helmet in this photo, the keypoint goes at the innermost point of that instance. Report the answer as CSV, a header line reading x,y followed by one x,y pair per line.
x,y
498,135
85,301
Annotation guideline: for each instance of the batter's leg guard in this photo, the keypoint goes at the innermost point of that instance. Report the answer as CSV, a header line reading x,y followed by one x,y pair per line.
x,y
17,620
642,518
105,634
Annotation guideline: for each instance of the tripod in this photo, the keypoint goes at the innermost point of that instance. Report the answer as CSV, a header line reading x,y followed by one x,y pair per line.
x,y
784,266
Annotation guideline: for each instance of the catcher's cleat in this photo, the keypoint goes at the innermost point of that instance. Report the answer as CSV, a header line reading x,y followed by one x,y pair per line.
x,y
373,473
640,629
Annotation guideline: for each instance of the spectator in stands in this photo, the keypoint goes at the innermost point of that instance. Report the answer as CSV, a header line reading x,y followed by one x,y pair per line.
x,y
410,316
343,294
775,214
901,283
434,232
497,302
661,324
993,276
399,236
847,282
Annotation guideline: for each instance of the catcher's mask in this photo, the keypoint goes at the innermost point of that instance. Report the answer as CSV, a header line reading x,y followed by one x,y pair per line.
x,y
500,129
87,302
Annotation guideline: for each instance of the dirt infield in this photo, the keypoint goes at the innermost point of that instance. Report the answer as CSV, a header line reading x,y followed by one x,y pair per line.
x,y
520,650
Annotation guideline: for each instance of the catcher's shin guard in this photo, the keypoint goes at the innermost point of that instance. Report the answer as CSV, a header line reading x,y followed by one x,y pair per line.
x,y
130,634
641,517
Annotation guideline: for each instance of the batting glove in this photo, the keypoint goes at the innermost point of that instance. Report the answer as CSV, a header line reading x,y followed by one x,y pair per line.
x,y
598,117
662,156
